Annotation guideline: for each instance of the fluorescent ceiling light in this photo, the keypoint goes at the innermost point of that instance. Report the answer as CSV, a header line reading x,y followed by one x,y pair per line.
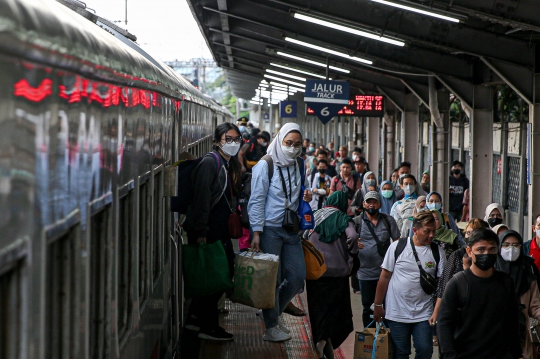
x,y
324,49
297,70
416,10
291,88
255,102
350,30
316,63
286,75
284,80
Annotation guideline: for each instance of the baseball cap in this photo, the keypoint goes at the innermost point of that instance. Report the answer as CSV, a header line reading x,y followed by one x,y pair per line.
x,y
360,160
372,195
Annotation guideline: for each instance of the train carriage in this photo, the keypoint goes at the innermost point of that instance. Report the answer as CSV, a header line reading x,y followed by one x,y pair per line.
x,y
89,123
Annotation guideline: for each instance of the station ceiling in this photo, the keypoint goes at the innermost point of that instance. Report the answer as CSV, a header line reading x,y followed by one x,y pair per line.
x,y
486,41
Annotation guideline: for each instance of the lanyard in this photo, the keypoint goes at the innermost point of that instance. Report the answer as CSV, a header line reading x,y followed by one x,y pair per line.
x,y
285,186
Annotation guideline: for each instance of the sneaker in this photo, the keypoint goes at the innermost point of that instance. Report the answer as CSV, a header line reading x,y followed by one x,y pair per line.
x,y
192,324
216,334
275,335
282,327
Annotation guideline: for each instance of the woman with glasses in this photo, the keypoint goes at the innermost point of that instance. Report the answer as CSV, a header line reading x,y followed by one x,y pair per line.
x,y
207,221
272,208
521,268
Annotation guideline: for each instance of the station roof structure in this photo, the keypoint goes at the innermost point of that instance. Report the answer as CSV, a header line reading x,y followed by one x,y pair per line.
x,y
387,47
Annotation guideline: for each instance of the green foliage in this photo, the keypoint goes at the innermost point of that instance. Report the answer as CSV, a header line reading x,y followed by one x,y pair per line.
x,y
510,106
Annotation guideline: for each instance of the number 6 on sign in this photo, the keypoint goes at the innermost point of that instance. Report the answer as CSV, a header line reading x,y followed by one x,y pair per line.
x,y
288,109
325,111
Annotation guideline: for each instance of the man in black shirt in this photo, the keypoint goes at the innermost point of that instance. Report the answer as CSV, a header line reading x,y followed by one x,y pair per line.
x,y
479,313
458,184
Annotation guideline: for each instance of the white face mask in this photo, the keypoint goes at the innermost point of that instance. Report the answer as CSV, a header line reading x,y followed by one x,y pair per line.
x,y
538,233
230,149
354,157
510,254
409,189
291,152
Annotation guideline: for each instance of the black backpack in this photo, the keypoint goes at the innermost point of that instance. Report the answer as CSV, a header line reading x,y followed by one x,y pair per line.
x,y
184,199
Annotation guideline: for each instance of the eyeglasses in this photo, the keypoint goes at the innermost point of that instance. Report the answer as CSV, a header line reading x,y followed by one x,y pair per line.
x,y
513,245
230,140
293,144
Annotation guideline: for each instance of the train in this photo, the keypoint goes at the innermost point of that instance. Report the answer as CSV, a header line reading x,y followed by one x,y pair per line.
x,y
90,127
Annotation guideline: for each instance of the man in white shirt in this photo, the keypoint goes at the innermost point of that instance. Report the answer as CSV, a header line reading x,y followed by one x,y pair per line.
x,y
320,185
408,308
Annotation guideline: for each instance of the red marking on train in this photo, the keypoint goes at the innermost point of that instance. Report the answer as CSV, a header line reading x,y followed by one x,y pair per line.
x,y
35,94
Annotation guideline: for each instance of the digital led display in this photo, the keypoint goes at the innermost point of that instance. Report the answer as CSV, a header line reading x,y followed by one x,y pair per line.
x,y
360,105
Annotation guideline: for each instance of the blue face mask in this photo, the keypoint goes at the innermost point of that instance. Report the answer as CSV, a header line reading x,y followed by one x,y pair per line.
x,y
435,205
387,193
242,128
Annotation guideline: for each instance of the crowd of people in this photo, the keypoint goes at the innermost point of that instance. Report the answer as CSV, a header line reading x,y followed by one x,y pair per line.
x,y
472,292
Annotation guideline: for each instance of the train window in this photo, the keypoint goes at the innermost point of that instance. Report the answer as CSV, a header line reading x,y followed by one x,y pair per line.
x,y
10,301
158,224
62,296
125,264
145,213
99,261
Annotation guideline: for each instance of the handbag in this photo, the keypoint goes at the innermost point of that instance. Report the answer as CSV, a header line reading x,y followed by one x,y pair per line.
x,y
291,222
427,282
205,269
235,225
315,264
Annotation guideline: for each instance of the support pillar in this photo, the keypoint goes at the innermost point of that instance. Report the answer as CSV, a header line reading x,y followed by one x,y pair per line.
x,y
352,145
344,138
440,170
410,132
337,139
481,150
534,159
373,144
389,159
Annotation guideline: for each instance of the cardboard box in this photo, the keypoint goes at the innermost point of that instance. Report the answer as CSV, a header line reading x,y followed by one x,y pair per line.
x,y
363,344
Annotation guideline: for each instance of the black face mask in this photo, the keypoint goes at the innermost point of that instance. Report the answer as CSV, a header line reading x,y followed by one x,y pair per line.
x,y
485,261
372,211
456,171
494,221
322,171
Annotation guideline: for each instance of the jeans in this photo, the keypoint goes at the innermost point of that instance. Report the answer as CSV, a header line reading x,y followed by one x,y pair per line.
x,y
291,272
401,339
367,289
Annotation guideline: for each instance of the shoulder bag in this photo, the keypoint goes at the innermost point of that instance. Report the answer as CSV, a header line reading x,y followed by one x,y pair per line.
x,y
427,282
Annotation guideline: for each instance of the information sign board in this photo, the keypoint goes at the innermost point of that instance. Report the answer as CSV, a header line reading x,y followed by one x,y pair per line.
x,y
287,109
326,97
360,105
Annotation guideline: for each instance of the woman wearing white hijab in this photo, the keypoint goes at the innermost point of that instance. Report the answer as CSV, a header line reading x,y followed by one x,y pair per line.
x,y
494,215
267,206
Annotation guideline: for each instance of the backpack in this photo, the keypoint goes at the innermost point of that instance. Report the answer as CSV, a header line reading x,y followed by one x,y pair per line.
x,y
184,199
402,243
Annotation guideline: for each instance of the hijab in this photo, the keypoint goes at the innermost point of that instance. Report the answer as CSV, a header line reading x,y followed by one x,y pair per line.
x,y
522,270
364,185
431,194
419,200
442,234
387,203
274,148
332,220
498,226
490,209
